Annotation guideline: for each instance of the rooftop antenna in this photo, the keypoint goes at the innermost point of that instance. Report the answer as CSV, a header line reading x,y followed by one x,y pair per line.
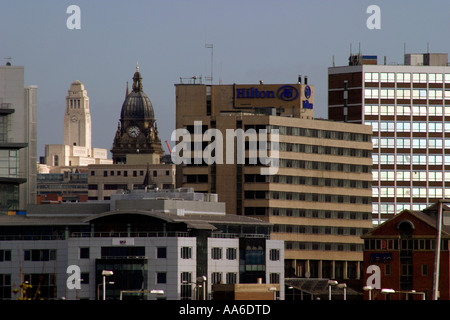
x,y
210,46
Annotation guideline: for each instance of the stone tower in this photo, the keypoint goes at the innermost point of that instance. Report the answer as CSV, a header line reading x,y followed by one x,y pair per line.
x,y
77,118
137,140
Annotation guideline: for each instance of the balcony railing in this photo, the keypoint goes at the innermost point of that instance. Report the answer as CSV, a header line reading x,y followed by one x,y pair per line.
x,y
145,234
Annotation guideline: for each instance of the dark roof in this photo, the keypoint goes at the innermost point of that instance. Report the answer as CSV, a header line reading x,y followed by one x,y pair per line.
x,y
194,221
428,216
137,105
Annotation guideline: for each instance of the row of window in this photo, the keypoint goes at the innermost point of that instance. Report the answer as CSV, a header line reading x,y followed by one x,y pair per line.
x,y
300,196
406,77
394,208
415,143
407,159
75,103
406,110
311,181
403,244
161,252
323,166
319,230
408,126
124,173
403,93
323,214
338,151
402,175
406,192
322,246
320,133
43,286
231,254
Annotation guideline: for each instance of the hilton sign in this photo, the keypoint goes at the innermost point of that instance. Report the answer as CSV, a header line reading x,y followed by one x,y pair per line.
x,y
285,93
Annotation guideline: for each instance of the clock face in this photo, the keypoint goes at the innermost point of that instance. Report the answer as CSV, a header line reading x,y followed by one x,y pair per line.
x,y
74,118
133,131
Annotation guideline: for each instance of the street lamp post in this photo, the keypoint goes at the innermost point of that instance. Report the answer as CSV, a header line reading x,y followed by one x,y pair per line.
x,y
202,279
388,291
98,288
343,286
105,273
368,288
331,283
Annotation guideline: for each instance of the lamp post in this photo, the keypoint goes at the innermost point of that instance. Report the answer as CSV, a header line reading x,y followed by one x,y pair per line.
x,y
331,283
98,288
388,291
368,288
274,290
202,279
105,273
343,286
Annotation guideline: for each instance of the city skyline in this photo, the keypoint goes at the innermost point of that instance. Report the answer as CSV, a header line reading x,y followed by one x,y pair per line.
x,y
252,41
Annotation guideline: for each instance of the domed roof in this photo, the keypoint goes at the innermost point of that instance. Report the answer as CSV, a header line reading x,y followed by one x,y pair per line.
x,y
137,105
77,85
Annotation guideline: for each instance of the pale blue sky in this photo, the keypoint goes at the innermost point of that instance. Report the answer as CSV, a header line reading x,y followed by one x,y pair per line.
x,y
274,41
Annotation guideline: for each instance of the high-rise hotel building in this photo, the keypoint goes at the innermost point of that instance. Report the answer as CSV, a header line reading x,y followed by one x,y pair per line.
x,y
319,196
408,107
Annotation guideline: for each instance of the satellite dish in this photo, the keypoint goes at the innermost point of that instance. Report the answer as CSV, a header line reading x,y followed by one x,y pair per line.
x,y
307,274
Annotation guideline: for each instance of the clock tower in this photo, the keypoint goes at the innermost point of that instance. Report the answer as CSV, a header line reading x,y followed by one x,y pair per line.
x,y
137,140
77,118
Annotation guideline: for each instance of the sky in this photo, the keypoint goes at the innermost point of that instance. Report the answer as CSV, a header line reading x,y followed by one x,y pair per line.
x,y
253,40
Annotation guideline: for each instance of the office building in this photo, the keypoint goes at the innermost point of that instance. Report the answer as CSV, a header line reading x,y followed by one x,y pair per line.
x,y
407,106
316,188
178,242
18,140
105,180
62,187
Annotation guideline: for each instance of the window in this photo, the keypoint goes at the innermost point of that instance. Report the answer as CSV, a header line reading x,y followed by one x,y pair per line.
x,y
84,278
186,253
43,285
161,277
161,252
216,253
231,253
186,286
274,254
5,286
40,255
274,278
216,277
231,278
5,255
84,253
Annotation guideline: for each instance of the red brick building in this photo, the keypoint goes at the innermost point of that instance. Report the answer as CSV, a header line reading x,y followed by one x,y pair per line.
x,y
404,249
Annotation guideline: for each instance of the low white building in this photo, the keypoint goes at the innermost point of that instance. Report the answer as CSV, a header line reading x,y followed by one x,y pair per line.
x,y
174,241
